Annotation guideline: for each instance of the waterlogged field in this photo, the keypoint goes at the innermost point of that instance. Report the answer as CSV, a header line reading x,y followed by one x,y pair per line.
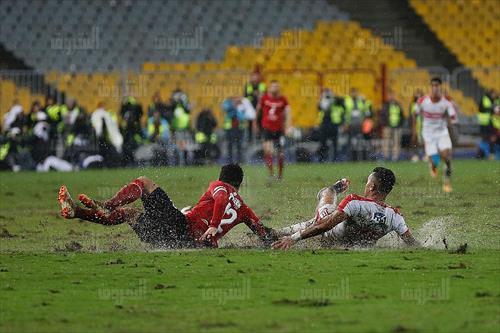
x,y
58,275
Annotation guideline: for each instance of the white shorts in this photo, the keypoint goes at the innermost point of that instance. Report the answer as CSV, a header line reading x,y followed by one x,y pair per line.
x,y
436,143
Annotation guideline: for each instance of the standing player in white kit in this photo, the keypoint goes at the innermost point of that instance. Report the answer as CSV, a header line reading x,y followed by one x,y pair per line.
x,y
437,113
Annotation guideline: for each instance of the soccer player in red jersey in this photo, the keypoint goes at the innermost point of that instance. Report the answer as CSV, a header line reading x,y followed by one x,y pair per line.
x,y
161,224
273,111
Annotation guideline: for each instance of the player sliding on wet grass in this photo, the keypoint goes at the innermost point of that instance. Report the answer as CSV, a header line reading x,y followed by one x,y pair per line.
x,y
356,221
161,224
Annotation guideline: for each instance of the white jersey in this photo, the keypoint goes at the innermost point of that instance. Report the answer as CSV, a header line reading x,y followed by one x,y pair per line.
x,y
367,220
434,116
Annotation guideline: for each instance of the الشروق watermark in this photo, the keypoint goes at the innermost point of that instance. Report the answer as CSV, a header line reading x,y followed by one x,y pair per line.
x,y
82,41
222,295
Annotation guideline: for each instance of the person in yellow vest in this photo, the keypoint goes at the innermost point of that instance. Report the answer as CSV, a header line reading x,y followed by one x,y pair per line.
x,y
55,113
331,118
181,123
206,138
253,91
496,128
484,118
391,120
158,129
355,109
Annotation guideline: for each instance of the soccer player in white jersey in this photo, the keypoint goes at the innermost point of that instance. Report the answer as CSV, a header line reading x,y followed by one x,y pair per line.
x,y
357,220
437,113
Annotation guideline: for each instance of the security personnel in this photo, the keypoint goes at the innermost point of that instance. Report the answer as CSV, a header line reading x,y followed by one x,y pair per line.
x,y
356,108
158,129
206,138
253,90
391,120
485,113
484,118
55,113
331,118
495,120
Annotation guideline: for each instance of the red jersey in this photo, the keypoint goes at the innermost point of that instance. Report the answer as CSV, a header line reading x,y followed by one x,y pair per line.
x,y
273,112
222,207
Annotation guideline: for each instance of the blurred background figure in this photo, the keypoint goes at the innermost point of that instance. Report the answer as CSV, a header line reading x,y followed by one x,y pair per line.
x,y
356,108
14,117
157,104
158,135
415,124
131,129
331,114
234,118
485,119
391,121
496,128
253,91
181,124
108,135
208,152
77,133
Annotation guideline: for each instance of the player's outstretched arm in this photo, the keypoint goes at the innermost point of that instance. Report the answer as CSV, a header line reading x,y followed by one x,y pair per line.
x,y
409,239
221,199
317,228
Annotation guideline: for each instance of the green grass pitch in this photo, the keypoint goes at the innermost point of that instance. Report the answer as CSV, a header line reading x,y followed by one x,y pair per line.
x,y
59,275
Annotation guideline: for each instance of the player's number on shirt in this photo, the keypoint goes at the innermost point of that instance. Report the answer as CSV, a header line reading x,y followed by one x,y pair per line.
x,y
232,216
379,217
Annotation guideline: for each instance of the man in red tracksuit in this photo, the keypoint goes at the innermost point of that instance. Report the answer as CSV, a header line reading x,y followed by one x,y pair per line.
x,y
161,224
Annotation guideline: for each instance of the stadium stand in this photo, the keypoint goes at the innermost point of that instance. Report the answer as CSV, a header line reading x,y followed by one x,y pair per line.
x,y
301,58
470,29
117,35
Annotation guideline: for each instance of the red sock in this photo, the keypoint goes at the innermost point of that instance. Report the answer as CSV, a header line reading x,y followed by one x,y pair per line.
x,y
117,216
87,214
281,163
268,158
129,193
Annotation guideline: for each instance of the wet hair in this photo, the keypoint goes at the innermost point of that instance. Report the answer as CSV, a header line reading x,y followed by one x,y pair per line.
x,y
385,179
231,174
436,80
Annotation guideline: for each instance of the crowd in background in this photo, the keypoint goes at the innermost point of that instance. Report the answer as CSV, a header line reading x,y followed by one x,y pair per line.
x,y
67,137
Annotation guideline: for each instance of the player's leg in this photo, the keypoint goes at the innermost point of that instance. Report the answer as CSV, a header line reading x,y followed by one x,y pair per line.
x,y
70,210
327,203
267,146
281,158
445,151
127,194
431,151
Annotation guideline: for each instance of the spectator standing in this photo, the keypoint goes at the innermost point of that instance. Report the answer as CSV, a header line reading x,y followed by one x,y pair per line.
x,y
131,115
391,121
14,117
181,109
486,128
417,126
253,91
157,104
109,137
355,107
331,117
206,137
233,125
